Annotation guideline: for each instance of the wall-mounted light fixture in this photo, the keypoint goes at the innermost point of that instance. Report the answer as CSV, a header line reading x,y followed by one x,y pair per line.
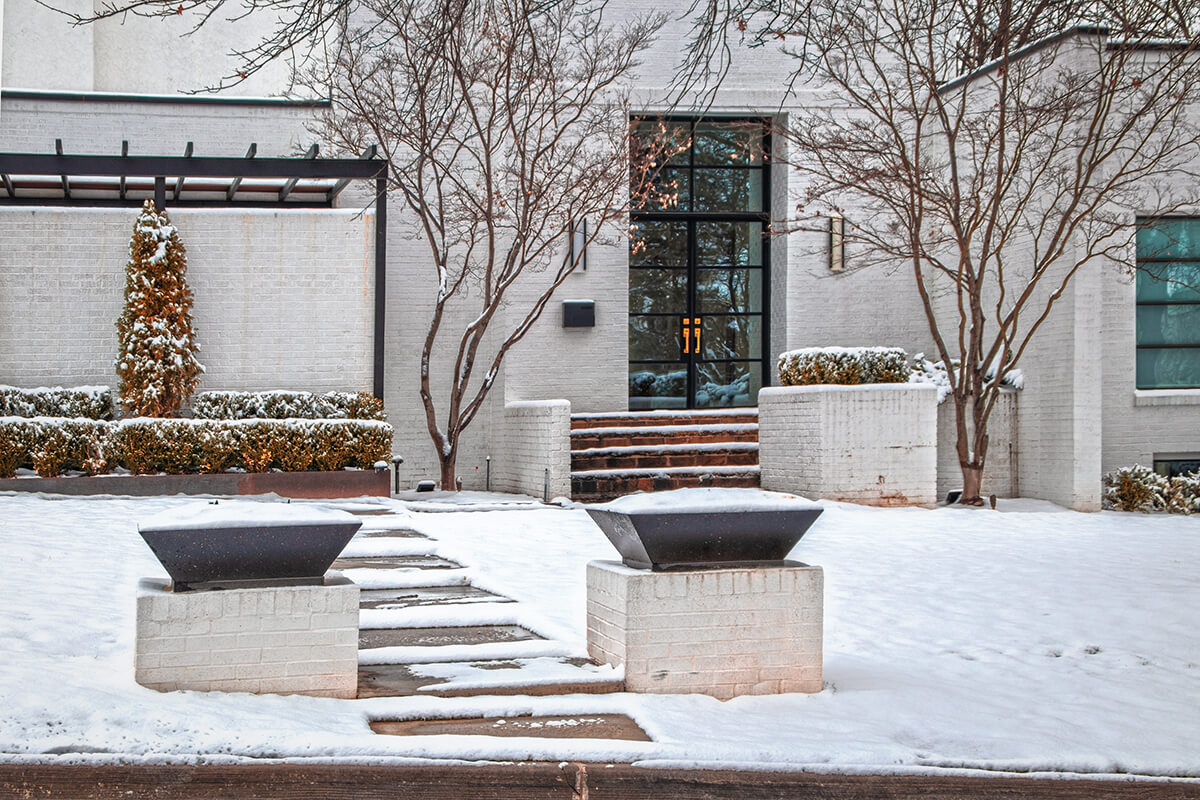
x,y
837,243
579,233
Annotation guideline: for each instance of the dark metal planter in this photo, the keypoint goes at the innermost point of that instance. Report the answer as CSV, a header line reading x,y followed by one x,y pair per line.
x,y
254,554
703,540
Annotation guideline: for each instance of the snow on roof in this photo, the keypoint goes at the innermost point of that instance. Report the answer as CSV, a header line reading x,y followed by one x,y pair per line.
x,y
233,514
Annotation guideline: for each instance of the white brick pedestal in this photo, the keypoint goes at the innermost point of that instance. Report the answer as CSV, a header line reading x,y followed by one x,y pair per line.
x,y
277,640
720,632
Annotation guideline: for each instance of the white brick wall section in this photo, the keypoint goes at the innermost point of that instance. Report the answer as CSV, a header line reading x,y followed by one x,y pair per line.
x,y
874,444
283,300
724,633
530,442
279,640
999,473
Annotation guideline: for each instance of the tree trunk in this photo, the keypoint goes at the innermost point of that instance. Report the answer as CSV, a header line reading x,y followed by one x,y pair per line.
x,y
449,463
972,482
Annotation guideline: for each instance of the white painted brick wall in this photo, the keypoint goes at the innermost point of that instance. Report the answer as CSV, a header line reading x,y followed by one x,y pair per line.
x,y
999,473
723,633
530,438
278,640
283,300
874,444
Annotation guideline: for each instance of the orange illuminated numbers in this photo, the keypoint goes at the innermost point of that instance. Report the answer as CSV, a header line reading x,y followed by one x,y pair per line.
x,y
689,332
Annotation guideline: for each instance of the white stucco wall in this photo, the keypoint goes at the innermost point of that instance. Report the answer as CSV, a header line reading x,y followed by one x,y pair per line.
x,y
282,299
44,50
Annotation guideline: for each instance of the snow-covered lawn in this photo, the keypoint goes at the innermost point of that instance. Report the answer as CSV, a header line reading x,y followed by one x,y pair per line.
x,y
1030,639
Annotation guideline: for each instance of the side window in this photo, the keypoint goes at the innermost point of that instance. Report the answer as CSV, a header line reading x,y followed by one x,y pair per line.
x,y
1168,304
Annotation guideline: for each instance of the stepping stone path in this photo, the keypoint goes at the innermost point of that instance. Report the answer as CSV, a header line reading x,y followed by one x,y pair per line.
x,y
461,658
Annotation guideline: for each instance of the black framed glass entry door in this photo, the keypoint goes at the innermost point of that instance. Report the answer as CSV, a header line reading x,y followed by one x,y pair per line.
x,y
697,278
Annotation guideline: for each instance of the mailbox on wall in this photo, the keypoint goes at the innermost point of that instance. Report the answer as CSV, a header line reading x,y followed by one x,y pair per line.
x,y
579,313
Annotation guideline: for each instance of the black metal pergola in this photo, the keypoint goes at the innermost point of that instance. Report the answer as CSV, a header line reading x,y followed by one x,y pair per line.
x,y
204,181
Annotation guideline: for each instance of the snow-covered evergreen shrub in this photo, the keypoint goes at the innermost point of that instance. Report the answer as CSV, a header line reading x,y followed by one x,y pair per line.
x,y
1183,494
51,445
156,360
14,446
843,365
287,405
148,445
93,402
145,445
1135,488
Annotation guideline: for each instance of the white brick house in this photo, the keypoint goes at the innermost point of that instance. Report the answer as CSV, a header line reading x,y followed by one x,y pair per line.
x,y
284,298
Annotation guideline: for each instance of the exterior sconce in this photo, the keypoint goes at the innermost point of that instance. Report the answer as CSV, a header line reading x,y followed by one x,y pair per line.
x,y
837,243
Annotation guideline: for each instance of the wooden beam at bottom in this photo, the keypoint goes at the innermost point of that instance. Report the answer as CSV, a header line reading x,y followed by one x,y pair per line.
x,y
539,781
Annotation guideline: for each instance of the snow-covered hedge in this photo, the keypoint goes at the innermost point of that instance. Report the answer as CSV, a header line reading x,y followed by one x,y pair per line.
x,y
1139,488
51,444
144,445
287,405
843,365
93,402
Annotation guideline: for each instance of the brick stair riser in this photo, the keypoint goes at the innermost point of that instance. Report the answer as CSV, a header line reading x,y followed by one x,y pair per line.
x,y
702,458
654,421
596,490
586,441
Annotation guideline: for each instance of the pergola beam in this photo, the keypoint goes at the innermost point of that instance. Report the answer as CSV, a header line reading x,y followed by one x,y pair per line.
x,y
367,155
66,184
237,181
291,182
187,153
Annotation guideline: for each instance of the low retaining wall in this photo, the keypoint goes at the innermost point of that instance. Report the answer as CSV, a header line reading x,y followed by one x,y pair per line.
x,y
311,485
874,444
531,449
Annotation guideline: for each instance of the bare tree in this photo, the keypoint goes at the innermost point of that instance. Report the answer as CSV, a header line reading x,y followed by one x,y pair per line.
x,y
505,123
998,187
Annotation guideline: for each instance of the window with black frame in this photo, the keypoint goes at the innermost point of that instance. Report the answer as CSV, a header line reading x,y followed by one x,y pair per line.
x,y
1168,303
698,264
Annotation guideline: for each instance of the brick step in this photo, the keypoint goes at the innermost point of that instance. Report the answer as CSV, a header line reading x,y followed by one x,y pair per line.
x,y
721,454
633,419
597,486
623,436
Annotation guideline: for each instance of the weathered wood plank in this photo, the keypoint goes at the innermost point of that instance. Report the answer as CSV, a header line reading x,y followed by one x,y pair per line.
x,y
541,781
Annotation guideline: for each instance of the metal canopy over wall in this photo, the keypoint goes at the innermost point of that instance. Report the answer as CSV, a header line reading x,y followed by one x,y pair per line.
x,y
189,181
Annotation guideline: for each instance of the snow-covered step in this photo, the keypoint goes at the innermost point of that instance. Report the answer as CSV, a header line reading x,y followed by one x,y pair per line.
x,y
387,599
518,676
594,486
634,435
720,454
423,561
408,639
664,417
577,726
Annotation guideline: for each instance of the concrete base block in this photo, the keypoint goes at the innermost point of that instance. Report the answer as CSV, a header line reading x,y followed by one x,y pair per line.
x,y
721,632
277,640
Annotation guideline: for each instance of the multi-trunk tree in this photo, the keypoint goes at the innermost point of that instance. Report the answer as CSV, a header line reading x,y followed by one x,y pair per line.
x,y
156,361
506,127
994,149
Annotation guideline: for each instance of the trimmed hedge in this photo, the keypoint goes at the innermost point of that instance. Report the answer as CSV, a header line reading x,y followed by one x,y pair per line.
x,y
287,405
1139,488
843,365
92,402
145,445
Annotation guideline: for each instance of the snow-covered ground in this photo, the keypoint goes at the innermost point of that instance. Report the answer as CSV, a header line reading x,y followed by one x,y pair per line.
x,y
1029,639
